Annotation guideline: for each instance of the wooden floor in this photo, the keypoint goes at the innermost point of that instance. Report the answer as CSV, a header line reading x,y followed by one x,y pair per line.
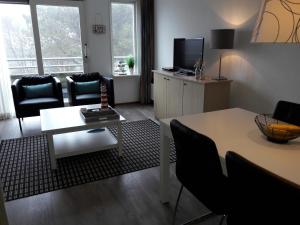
x,y
128,199
31,125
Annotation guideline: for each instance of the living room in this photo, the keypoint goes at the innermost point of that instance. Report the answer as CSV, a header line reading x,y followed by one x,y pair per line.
x,y
57,167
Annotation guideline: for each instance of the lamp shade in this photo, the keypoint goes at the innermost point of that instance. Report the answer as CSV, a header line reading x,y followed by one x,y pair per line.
x,y
278,22
222,39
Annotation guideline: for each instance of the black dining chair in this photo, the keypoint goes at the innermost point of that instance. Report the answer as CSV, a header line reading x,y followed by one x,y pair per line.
x,y
258,196
288,112
198,168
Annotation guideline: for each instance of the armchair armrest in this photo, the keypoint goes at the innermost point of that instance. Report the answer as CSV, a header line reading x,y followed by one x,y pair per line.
x,y
16,91
109,81
58,90
71,90
17,96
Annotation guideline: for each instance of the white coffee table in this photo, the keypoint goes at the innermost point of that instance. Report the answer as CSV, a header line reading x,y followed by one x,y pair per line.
x,y
68,134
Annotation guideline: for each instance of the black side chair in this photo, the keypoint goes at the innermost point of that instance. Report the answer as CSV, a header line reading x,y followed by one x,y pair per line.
x,y
31,94
288,112
82,89
198,168
260,197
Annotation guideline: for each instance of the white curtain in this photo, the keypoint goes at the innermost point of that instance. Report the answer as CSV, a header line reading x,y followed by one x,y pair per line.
x,y
6,101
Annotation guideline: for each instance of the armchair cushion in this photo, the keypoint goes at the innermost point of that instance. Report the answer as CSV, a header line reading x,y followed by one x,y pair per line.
x,y
88,99
38,101
38,90
88,96
87,87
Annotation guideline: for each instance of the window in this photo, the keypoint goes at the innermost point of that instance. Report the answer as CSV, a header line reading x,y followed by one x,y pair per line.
x,y
58,45
123,23
60,35
16,25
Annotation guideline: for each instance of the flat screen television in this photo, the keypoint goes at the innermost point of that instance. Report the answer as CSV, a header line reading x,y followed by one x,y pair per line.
x,y
186,53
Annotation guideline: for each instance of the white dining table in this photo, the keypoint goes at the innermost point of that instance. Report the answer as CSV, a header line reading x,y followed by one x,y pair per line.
x,y
233,130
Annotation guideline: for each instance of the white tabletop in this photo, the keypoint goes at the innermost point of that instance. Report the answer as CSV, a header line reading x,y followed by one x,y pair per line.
x,y
66,117
235,130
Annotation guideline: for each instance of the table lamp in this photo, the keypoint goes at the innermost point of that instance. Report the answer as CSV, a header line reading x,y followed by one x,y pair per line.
x,y
222,39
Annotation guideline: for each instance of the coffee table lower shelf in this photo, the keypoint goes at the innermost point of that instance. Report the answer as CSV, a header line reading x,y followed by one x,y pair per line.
x,y
82,142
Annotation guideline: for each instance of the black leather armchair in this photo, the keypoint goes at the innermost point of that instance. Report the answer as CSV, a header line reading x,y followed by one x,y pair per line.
x,y
89,98
27,107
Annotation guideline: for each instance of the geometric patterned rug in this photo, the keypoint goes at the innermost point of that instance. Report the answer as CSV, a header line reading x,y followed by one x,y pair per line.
x,y
25,165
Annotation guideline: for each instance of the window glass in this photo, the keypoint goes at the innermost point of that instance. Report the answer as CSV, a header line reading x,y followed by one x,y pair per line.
x,y
123,34
60,35
16,28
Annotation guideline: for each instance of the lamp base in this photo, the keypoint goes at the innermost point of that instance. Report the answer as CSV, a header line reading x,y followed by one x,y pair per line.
x,y
220,78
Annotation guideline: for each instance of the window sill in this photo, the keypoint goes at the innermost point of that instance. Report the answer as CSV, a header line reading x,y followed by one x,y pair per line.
x,y
126,75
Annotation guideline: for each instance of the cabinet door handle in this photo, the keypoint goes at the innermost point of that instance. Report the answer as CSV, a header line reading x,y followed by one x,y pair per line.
x,y
168,79
184,84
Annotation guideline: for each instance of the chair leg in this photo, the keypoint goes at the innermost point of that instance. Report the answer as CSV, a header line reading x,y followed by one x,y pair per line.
x,y
20,125
176,206
222,220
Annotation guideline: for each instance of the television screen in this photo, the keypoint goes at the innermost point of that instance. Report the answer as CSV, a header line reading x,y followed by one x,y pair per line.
x,y
187,52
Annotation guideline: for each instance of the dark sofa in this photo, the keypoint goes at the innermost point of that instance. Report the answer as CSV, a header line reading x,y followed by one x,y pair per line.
x,y
92,96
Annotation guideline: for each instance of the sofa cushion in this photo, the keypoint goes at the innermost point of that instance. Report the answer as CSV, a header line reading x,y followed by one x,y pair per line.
x,y
89,87
32,107
87,99
38,90
88,96
38,101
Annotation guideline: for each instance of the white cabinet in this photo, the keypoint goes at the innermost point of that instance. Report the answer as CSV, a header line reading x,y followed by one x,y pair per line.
x,y
180,95
173,97
167,97
193,96
160,99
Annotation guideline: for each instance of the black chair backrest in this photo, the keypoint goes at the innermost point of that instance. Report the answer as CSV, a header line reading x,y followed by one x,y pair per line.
x,y
288,112
198,167
86,77
35,80
260,197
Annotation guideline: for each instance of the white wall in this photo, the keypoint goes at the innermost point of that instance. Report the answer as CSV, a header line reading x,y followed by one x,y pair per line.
x,y
262,73
99,45
127,89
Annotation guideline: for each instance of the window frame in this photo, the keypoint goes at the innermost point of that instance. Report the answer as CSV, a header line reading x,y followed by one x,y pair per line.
x,y
136,33
36,32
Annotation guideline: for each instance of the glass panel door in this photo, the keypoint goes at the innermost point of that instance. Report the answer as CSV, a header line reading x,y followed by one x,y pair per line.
x,y
61,40
16,27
